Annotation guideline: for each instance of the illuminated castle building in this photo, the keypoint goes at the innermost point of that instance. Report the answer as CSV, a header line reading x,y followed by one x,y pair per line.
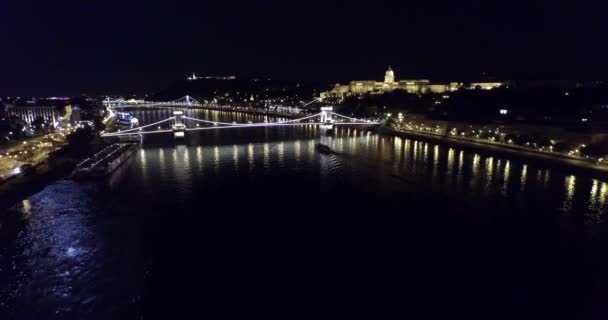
x,y
195,77
421,86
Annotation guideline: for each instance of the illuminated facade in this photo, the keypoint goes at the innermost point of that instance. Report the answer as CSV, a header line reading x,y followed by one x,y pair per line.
x,y
420,86
485,85
389,76
29,113
195,77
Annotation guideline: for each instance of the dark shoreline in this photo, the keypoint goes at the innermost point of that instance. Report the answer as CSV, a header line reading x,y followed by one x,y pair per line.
x,y
23,186
58,167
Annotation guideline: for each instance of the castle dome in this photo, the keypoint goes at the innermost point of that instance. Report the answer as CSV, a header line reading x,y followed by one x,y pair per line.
x,y
389,76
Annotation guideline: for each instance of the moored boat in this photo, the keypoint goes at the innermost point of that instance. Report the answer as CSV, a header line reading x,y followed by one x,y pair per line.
x,y
104,162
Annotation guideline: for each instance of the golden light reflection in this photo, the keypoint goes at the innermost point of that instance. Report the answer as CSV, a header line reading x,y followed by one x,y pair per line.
x,y
199,157
216,158
26,209
407,149
311,149
281,153
186,157
397,144
415,153
506,176
397,148
570,184
251,156
339,143
266,155
603,194
435,163
353,143
297,151
476,159
235,157
595,207
460,166
475,171
374,145
161,158
489,174
524,174
142,157
450,163
594,192
142,161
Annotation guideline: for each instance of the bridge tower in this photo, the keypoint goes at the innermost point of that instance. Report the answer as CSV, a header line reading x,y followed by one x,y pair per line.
x,y
178,125
327,118
326,115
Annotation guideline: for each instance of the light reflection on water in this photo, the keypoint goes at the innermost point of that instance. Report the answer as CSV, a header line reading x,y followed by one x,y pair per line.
x,y
76,231
524,176
26,209
444,167
506,175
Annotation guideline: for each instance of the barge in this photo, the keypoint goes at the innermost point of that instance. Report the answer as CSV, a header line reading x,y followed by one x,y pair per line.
x,y
105,161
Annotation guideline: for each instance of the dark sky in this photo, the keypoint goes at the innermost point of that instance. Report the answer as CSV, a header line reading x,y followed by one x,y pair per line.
x,y
68,47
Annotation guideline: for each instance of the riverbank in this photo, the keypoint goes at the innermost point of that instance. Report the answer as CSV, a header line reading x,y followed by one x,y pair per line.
x,y
21,187
551,158
59,165
31,151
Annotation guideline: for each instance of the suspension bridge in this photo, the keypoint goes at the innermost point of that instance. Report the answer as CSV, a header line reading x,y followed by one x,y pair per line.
x,y
178,124
185,101
189,102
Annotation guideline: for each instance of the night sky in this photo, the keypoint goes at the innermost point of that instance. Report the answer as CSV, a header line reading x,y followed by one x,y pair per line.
x,y
96,47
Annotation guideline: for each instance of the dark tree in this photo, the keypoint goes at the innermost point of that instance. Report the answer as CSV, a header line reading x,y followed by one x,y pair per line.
x,y
595,150
80,138
521,140
562,147
511,137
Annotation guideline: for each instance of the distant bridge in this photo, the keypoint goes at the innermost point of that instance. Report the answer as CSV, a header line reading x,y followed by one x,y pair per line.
x,y
185,101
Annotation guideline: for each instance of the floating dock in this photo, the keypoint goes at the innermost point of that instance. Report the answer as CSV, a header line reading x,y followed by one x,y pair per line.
x,y
105,161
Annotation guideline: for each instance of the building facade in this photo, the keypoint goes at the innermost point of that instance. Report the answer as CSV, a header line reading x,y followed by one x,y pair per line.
x,y
29,113
418,86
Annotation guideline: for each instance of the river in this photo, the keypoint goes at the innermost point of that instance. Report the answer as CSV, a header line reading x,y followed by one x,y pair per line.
x,y
255,223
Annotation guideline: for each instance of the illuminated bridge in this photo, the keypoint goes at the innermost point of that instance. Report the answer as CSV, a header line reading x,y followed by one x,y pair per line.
x,y
186,101
326,119
189,102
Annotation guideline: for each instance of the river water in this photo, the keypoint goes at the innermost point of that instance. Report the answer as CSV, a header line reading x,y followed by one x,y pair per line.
x,y
255,223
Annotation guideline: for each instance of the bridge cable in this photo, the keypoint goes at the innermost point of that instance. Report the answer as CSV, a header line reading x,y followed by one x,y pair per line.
x,y
139,128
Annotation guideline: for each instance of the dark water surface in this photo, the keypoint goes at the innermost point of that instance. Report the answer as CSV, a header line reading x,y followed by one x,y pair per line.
x,y
254,223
